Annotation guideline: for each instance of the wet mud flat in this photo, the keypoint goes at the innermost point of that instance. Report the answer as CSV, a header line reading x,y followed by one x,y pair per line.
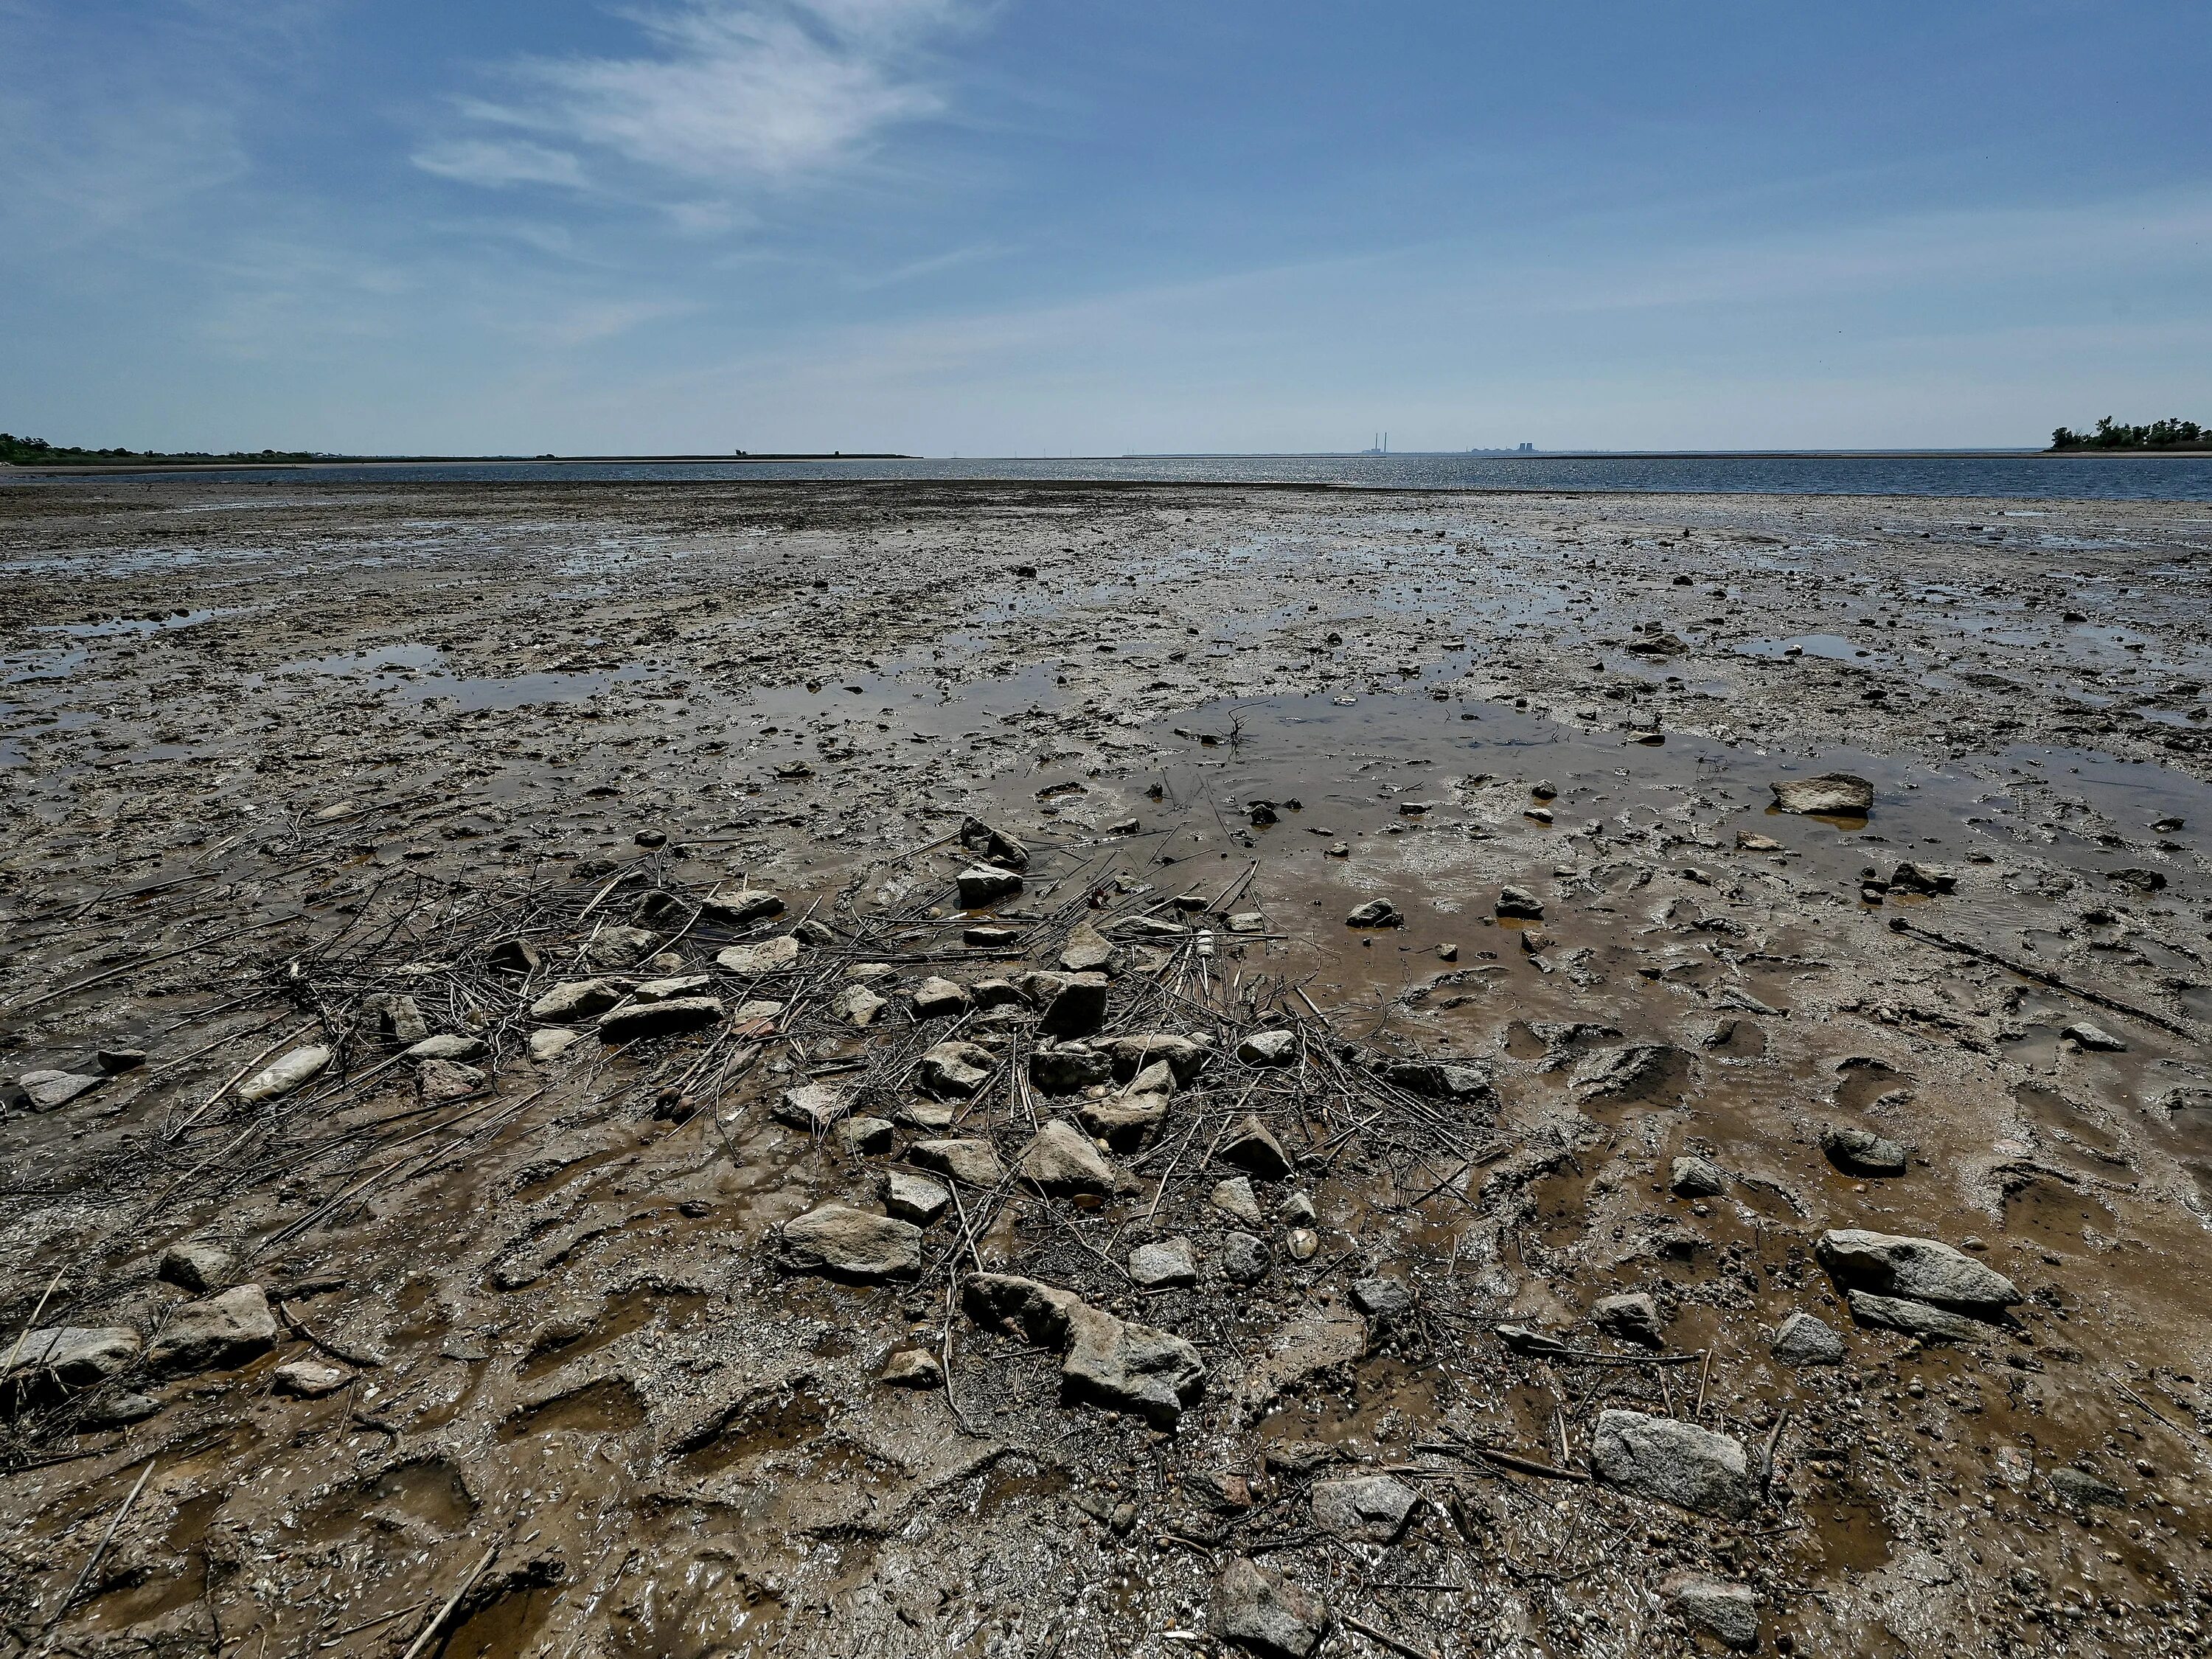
x,y
760,1069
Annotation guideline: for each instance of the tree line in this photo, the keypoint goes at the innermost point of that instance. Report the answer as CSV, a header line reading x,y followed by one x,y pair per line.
x,y
37,451
2159,434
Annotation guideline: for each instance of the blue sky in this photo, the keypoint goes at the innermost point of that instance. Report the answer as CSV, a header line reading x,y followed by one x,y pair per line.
x,y
1009,226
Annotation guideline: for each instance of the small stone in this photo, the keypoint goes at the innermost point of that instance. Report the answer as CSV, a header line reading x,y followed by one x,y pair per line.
x,y
986,884
636,1021
2084,1489
1302,1243
865,1137
2083,1034
120,1411
1519,904
1671,1462
1087,950
1266,1612
1268,1049
1079,1009
552,1045
1166,1261
295,1069
913,1198
1861,1152
1061,1162
579,999
779,955
1375,913
1124,827
847,1243
1247,922
308,1379
1543,789
1123,1122
621,947
999,846
1431,1079
198,1266
813,1107
741,909
1832,794
1383,1298
1067,1068
937,998
912,1368
48,1090
1749,840
1112,1361
1235,1197
955,1070
859,1006
1186,1057
1632,1316
1296,1210
1806,1339
761,1012
448,1079
47,1364
660,990
1728,1612
1448,953
990,938
970,1162
1242,1259
1372,1507
446,1045
1697,1177
988,994
223,1330
1251,1146
115,1060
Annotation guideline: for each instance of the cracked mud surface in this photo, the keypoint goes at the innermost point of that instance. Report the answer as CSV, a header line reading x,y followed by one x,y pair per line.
x,y
533,1341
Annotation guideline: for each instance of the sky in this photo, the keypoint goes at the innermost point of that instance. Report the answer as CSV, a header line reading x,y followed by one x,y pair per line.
x,y
1017,227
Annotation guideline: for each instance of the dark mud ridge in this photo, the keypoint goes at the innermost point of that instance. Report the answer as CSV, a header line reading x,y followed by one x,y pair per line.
x,y
1049,1070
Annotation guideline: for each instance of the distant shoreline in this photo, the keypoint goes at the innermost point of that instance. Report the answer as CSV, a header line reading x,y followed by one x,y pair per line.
x,y
77,469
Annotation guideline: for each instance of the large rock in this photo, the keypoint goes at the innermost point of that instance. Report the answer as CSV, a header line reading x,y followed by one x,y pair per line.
x,y
1373,1507
913,1198
637,1020
197,1265
847,1243
286,1074
1804,1339
50,1365
955,1070
1375,913
1519,904
1671,1462
989,841
1080,1008
1068,1067
223,1330
1087,950
1382,1297
621,947
986,884
578,1000
49,1090
1269,1048
1266,1613
1922,1319
1105,1360
779,955
1697,1177
970,1162
1832,794
1632,1316
1728,1612
938,998
1924,1269
813,1107
1185,1055
1861,1151
1123,1122
1060,1162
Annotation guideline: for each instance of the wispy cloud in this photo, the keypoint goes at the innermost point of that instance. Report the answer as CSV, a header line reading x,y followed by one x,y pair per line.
x,y
728,94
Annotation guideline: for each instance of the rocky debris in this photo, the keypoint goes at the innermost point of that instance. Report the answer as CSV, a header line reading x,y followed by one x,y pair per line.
x,y
220,1331
741,909
446,1080
44,1366
1861,1151
577,1000
970,1162
993,844
1375,913
1697,1177
937,998
1380,1297
1242,1259
1671,1462
1087,950
273,1082
1235,1197
865,1137
1269,1048
638,1020
1186,1057
1923,1269
813,1107
1078,1009
955,1070
308,1379
1061,1162
2083,1034
1266,1613
1457,1081
1728,1612
1371,1507
912,1368
1104,1359
1804,1339
1921,1319
197,1265
1519,904
48,1090
1066,1068
1252,1146
859,1006
913,1198
1631,1316
1832,794
847,1243
986,884
446,1045
779,955
1165,1262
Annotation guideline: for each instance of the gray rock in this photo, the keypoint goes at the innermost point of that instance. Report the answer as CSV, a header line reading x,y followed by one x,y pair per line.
x,y
1451,1081
741,909
552,1045
1296,1210
1266,1613
1079,1009
1861,1151
113,1061
621,947
997,994
1373,1507
986,884
1922,1319
1247,922
1806,1339
1519,904
1671,1462
1235,1197
913,1198
912,1368
579,999
120,1411
1375,913
446,1080
1632,1316
865,1137
813,1107
955,1070
636,1021
1269,1048
999,846
779,955
1832,794
51,1363
2083,1034
1923,1269
970,1162
49,1090
1925,880
1250,1146
308,1379
662,990
1163,1263
1060,1162
1383,1298
273,1082
197,1265
1698,1177
1243,1260
1087,950
2083,1490
1123,1122
446,1045
1186,1057
938,998
396,1017
1105,1360
1067,1067
847,1243
217,1331
859,1006
1728,1612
